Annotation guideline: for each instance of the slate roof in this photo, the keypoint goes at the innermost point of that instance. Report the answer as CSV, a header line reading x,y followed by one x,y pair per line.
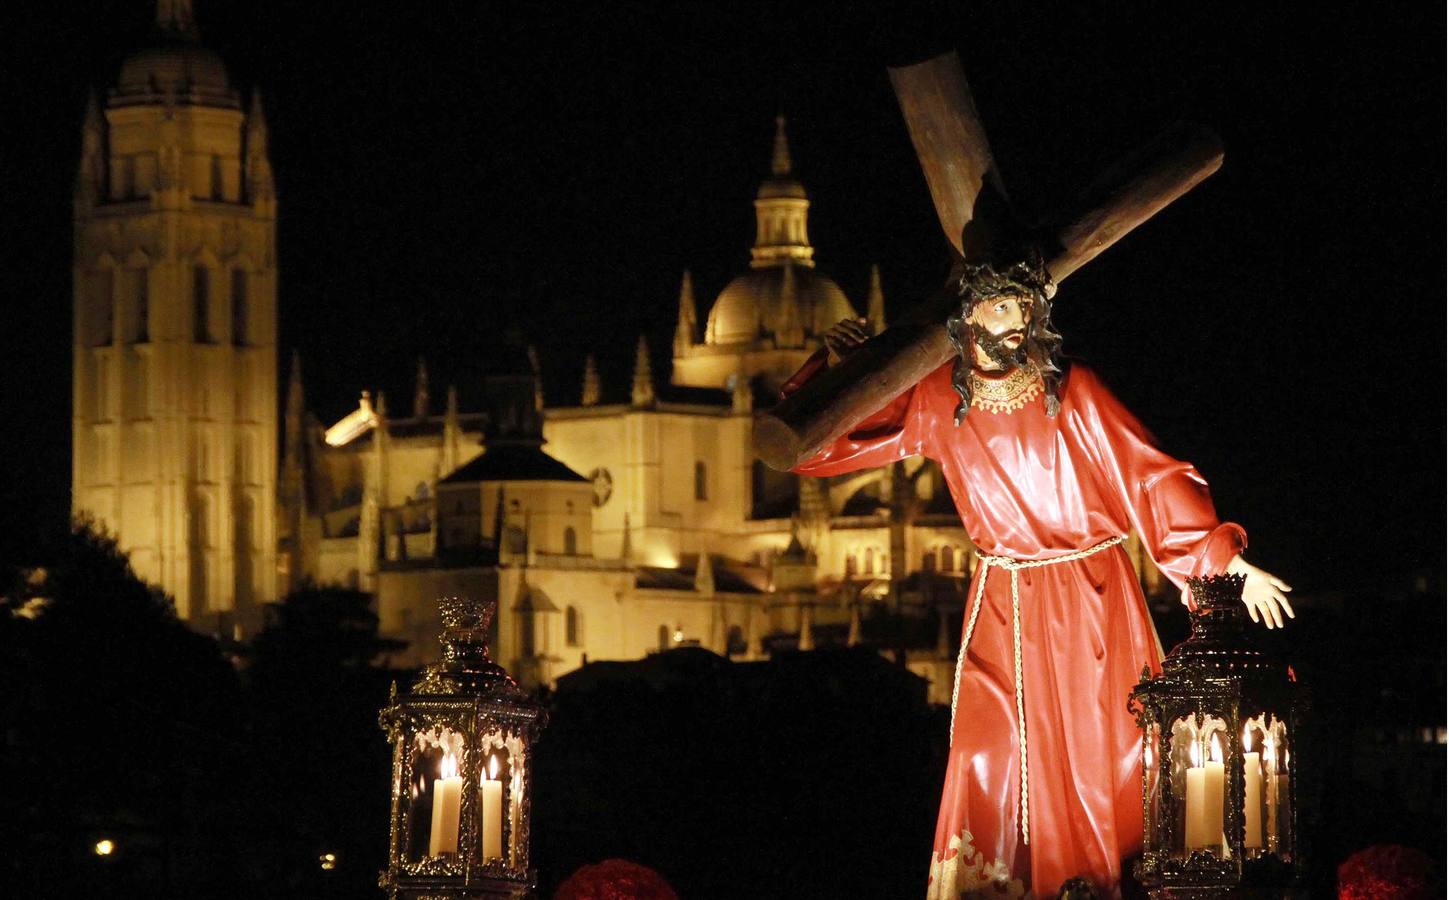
x,y
513,462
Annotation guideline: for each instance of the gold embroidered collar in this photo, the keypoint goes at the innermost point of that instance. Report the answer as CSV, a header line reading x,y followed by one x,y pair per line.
x,y
1008,393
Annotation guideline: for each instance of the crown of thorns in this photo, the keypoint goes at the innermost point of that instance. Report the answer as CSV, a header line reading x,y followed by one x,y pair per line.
x,y
1022,272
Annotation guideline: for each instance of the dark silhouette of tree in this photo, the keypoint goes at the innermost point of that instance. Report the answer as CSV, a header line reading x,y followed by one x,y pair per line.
x,y
316,690
119,723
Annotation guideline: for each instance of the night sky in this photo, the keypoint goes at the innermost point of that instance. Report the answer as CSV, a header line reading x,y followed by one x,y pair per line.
x,y
446,168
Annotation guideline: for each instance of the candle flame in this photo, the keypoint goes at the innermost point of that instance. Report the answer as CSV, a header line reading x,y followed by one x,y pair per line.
x,y
448,768
1247,739
1217,751
1195,756
1270,754
492,768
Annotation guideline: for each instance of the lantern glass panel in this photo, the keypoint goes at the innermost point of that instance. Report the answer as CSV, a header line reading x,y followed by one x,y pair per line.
x,y
434,811
1152,769
504,760
1275,761
1199,753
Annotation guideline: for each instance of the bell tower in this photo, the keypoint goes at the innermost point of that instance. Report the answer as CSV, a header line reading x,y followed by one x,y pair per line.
x,y
174,348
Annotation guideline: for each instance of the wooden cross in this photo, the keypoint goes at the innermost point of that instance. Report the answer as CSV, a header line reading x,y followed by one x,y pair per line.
x,y
974,209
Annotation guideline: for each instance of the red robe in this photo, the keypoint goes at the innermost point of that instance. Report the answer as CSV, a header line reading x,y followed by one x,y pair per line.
x,y
1030,487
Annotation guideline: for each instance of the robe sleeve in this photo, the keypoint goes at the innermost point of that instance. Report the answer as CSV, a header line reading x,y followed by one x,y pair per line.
x,y
1167,500
895,431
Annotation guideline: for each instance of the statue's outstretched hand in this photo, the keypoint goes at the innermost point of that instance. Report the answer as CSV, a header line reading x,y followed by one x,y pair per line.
x,y
1262,593
843,339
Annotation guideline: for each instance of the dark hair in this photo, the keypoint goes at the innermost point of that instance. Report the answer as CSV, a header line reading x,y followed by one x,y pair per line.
x,y
1019,273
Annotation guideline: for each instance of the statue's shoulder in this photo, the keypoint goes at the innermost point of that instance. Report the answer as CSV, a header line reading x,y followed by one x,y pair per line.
x,y
1079,380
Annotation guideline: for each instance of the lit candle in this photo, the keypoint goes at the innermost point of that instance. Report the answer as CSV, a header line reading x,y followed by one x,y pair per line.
x,y
1252,794
447,800
1212,834
1270,762
492,812
1195,784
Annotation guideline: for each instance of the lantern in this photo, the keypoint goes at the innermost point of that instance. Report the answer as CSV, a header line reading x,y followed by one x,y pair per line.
x,y
1219,759
462,742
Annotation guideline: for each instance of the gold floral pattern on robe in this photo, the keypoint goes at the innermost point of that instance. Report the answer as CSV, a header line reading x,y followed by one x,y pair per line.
x,y
964,874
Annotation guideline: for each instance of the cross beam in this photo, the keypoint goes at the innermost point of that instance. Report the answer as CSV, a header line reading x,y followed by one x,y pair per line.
x,y
973,208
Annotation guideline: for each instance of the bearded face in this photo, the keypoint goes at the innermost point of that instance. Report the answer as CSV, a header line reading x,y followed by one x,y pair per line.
x,y
998,329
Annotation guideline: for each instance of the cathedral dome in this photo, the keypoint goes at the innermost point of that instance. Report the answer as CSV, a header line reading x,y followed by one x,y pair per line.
x,y
179,69
753,305
175,63
781,297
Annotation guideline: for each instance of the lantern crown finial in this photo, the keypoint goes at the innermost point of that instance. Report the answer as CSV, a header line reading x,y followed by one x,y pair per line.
x,y
461,615
1216,591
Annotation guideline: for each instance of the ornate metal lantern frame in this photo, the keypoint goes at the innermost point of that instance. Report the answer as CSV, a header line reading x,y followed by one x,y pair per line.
x,y
467,708
1217,683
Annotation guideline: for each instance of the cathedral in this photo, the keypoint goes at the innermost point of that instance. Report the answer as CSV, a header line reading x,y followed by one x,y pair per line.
x,y
605,530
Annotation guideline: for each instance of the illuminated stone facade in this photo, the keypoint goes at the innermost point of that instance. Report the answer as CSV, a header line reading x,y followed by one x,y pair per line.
x,y
174,347
611,528
633,520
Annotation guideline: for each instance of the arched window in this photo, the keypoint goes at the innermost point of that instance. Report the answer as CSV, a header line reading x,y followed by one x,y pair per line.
x,y
571,541
663,637
849,565
571,626
240,313
928,561
869,566
216,182
948,559
525,635
735,642
141,304
701,481
421,491
200,305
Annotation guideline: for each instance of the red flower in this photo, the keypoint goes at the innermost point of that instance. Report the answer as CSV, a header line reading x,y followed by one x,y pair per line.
x,y
1386,872
615,879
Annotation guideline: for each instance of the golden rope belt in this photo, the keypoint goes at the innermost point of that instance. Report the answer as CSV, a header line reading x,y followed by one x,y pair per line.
x,y
1012,566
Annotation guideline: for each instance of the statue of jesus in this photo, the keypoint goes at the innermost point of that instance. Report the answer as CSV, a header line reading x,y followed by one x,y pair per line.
x,y
1049,473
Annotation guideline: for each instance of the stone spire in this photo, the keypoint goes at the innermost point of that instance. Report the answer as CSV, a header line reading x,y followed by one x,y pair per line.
x,y
537,378
685,329
420,390
781,210
452,435
259,185
780,158
875,302
592,388
643,392
789,332
90,177
296,403
293,498
175,18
